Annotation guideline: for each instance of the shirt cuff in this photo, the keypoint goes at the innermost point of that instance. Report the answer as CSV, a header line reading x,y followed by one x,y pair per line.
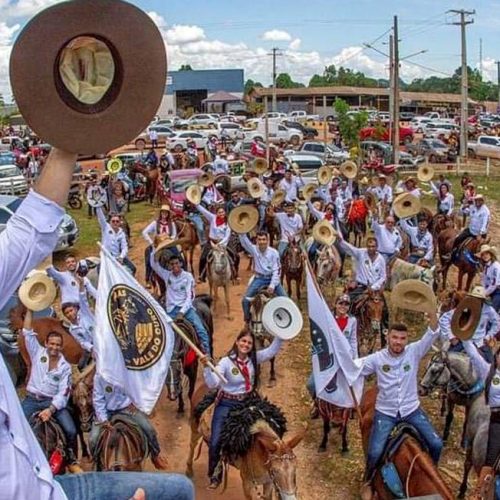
x,y
40,212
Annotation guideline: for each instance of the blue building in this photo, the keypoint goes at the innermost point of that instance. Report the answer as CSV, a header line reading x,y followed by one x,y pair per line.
x,y
186,90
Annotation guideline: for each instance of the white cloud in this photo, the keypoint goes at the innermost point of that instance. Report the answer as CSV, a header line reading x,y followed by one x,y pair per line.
x,y
182,34
489,69
276,36
295,44
24,8
6,36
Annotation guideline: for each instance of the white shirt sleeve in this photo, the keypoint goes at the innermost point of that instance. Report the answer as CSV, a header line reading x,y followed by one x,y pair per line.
x,y
482,367
206,213
424,344
32,345
55,275
123,245
160,271
101,218
99,401
150,228
246,243
269,352
91,289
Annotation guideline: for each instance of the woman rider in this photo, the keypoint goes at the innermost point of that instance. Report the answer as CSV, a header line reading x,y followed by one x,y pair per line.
x,y
445,199
239,368
161,228
490,374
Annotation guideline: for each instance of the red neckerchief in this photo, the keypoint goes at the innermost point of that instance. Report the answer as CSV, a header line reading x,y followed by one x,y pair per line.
x,y
342,322
220,219
328,216
243,367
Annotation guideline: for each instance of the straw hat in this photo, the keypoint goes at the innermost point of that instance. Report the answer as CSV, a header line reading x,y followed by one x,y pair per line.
x,y
324,233
425,173
478,292
163,242
243,219
410,178
37,291
324,175
278,197
466,317
406,205
364,181
206,179
370,200
295,167
349,169
193,194
165,208
63,106
488,248
255,187
414,295
260,166
308,190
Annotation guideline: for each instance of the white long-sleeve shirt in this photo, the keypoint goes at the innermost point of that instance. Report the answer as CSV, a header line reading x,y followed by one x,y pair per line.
x,y
397,376
488,326
382,193
180,288
68,284
265,263
318,214
490,277
419,241
351,334
84,328
30,235
220,233
291,188
479,219
212,195
445,325
54,383
389,242
107,397
290,226
159,229
229,369
447,203
369,273
115,242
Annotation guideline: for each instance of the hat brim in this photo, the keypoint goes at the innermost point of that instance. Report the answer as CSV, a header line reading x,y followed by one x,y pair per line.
x,y
282,318
258,190
243,219
129,103
324,233
414,295
37,292
406,205
193,194
466,317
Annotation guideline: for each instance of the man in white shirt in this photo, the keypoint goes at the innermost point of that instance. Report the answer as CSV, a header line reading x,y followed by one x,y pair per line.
x,y
291,226
478,224
114,239
421,242
220,165
179,298
396,369
49,385
267,270
153,137
290,185
265,200
382,192
490,276
388,237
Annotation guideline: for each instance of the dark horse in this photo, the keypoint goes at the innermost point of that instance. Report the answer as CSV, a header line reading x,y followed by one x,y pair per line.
x,y
336,416
51,437
184,362
152,175
293,267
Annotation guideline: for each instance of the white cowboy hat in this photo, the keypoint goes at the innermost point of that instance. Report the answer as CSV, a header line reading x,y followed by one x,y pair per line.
x,y
97,196
37,291
282,318
479,292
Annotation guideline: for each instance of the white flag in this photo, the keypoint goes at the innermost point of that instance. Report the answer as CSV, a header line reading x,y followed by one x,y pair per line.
x,y
133,337
331,353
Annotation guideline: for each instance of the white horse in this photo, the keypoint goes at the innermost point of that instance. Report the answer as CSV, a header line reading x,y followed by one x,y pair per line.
x,y
219,275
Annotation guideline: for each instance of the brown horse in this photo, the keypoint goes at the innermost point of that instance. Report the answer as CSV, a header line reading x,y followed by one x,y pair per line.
x,y
152,175
336,416
188,239
328,265
271,226
293,267
418,473
270,462
81,395
43,326
445,241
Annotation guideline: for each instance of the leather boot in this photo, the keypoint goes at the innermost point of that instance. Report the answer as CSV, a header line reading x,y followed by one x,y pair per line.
x,y
484,486
366,491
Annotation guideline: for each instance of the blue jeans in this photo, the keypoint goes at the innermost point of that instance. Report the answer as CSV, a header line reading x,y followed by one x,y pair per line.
x,y
122,485
484,350
65,420
130,265
282,247
196,219
414,258
313,251
387,256
220,413
253,288
192,316
382,427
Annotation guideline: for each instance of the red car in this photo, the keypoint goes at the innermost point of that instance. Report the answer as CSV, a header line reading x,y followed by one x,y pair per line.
x,y
405,134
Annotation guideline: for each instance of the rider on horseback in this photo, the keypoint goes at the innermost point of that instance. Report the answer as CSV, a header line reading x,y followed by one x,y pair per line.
x,y
396,369
265,200
291,226
49,386
109,400
421,242
382,192
389,239
490,277
179,298
267,268
290,184
328,215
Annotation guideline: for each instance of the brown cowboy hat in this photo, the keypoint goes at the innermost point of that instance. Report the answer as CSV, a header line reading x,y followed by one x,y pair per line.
x,y
37,291
278,197
243,219
308,190
414,295
324,175
324,233
193,194
425,173
90,94
260,166
466,317
255,187
406,205
349,169
206,179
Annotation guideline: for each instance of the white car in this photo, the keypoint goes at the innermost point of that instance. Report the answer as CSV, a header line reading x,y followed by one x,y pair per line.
x,y
164,134
12,181
200,119
234,130
486,146
418,124
278,133
7,141
181,138
437,130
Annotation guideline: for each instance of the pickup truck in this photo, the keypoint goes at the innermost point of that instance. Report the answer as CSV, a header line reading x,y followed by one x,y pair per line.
x,y
486,146
405,134
277,133
302,115
329,155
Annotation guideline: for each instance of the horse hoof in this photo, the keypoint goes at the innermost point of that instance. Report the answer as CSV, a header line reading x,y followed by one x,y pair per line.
x,y
271,383
321,449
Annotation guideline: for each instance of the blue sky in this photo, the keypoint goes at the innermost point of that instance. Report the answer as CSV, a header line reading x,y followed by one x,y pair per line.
x,y
312,34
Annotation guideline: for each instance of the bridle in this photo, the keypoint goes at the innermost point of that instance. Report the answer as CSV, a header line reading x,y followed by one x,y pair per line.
x,y
286,457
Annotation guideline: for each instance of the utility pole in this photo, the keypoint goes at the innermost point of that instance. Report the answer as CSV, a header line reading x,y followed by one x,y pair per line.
x,y
498,84
391,86
464,115
395,71
275,52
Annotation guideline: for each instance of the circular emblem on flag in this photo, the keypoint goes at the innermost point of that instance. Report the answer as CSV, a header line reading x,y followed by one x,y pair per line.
x,y
43,359
136,326
108,388
496,380
235,371
386,368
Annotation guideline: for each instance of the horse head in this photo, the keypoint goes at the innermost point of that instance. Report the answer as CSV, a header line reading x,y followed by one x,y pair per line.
x,y
279,459
257,304
82,396
218,259
328,265
294,257
436,375
374,307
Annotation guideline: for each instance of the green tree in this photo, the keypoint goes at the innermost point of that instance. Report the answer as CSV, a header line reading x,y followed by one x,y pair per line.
x,y
186,67
2,100
350,125
250,84
284,81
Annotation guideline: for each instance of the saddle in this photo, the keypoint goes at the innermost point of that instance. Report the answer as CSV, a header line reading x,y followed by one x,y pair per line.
x,y
462,249
43,430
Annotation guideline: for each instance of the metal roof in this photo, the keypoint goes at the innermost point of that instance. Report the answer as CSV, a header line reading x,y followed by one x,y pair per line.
x,y
211,80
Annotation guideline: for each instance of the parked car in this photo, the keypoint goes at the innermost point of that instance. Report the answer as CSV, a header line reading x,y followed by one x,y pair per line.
x,y
433,149
330,155
302,115
166,122
277,133
164,134
385,151
305,162
307,132
234,130
406,116
418,124
485,146
12,181
176,184
440,129
181,138
7,158
405,134
7,142
68,230
200,119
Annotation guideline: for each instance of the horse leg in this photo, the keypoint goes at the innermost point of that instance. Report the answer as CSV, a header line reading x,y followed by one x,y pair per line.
x,y
449,420
228,305
272,375
326,431
470,276
460,279
193,442
85,448
465,477
345,442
